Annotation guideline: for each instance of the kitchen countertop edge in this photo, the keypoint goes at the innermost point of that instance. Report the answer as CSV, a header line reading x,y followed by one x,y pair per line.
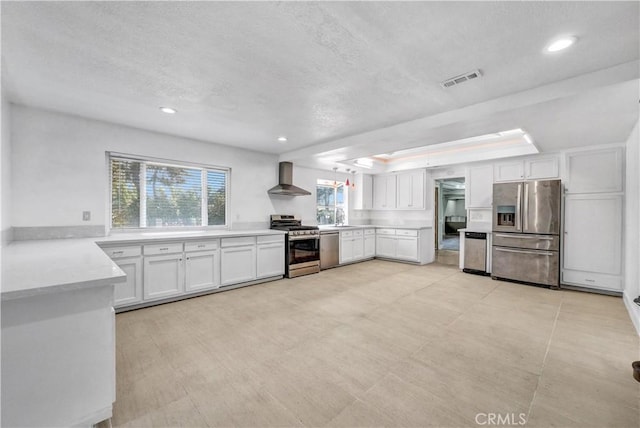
x,y
51,266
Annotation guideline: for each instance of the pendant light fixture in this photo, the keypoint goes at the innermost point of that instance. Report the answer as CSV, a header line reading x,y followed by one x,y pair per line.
x,y
347,183
335,176
353,182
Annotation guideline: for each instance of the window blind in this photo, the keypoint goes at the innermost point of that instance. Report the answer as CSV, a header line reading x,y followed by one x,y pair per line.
x,y
155,195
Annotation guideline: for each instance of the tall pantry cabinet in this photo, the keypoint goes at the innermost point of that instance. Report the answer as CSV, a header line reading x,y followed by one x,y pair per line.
x,y
593,219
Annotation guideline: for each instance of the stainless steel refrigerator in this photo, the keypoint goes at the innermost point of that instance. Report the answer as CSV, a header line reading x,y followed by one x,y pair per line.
x,y
526,232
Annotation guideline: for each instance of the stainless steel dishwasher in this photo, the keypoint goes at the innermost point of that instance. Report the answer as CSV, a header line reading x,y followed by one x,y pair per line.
x,y
329,249
475,253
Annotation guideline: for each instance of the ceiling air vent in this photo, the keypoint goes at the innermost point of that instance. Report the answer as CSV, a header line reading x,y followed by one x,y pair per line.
x,y
461,78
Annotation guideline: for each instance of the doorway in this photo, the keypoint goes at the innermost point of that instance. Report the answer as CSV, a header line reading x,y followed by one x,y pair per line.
x,y
451,213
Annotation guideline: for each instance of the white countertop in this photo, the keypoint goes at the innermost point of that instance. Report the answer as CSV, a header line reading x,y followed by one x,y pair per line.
x,y
119,238
48,266
374,226
38,267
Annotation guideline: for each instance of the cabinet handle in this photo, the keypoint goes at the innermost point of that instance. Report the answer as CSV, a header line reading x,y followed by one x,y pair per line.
x,y
589,280
115,253
164,249
201,246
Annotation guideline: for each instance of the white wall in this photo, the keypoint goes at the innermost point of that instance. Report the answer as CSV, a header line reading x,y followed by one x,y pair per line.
x,y
305,206
5,171
59,169
631,229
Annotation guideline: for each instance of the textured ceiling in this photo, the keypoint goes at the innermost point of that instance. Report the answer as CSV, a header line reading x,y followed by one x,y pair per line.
x,y
243,73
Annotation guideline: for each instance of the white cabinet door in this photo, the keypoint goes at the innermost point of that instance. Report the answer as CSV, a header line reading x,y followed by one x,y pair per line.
x,y
593,233
163,276
270,260
508,171
346,247
237,264
594,171
540,169
407,248
386,246
129,292
357,244
410,190
363,192
202,270
384,192
369,246
479,188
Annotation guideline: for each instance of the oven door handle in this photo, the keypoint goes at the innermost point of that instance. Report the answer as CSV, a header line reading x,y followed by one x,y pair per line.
x,y
304,237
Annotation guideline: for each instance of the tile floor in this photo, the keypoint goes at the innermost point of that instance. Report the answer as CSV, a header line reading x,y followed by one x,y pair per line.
x,y
379,344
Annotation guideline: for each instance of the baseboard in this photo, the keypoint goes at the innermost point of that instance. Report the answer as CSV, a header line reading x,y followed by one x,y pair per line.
x,y
634,311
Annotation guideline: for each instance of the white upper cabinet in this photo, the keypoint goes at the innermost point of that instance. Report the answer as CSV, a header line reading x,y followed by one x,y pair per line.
x,y
541,168
411,186
509,171
403,191
594,171
479,186
384,192
363,192
527,169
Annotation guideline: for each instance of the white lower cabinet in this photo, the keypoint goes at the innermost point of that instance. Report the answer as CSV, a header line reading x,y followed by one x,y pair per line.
x,y
352,246
129,292
369,243
129,259
163,276
171,269
407,248
270,256
414,245
358,247
386,246
238,260
202,270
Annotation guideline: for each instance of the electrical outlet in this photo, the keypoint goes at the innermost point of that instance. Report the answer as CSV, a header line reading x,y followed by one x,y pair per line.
x,y
86,215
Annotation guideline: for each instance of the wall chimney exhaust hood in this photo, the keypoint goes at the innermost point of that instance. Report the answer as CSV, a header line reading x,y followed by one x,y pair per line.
x,y
285,183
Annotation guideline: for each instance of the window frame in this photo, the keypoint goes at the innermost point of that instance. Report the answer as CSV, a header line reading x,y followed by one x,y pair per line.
x,y
170,163
344,205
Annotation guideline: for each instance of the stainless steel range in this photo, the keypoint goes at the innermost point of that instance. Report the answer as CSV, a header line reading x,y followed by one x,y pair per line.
x,y
302,247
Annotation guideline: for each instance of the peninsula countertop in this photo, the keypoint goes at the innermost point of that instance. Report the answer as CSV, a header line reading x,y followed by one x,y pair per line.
x,y
37,267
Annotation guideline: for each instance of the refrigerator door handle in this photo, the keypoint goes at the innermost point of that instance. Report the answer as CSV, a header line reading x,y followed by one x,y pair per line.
x,y
525,216
537,253
518,211
541,238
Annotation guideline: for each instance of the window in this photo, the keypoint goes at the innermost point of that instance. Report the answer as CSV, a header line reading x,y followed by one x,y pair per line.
x,y
154,194
331,202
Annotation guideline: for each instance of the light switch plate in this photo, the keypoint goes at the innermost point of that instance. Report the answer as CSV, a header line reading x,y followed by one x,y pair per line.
x,y
86,215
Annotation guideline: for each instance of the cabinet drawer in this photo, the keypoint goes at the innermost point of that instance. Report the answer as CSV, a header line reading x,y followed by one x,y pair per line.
x,y
154,249
386,231
119,252
369,231
404,232
346,234
201,245
593,280
269,239
357,232
238,242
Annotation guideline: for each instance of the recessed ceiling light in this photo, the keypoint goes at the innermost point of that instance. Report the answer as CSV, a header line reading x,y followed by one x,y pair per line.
x,y
282,139
560,44
168,110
